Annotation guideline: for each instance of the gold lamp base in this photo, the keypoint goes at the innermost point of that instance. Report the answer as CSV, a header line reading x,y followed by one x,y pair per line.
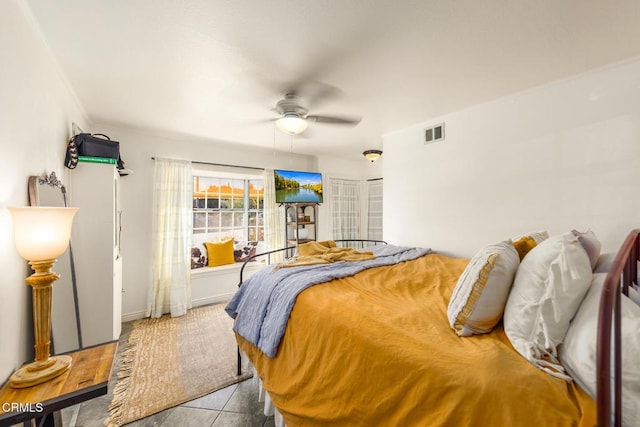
x,y
39,372
44,367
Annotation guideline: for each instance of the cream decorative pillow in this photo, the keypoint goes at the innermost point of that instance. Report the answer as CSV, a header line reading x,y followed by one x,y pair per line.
x,y
526,242
478,300
578,353
549,286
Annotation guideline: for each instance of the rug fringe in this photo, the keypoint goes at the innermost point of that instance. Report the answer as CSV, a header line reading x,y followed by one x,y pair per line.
x,y
123,380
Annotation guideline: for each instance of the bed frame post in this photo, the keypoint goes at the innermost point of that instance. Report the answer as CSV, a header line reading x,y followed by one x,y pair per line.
x,y
623,273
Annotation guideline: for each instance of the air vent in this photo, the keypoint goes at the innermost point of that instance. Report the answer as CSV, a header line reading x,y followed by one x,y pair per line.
x,y
434,134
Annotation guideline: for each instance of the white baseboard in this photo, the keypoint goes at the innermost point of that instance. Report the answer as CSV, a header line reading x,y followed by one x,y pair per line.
x,y
215,299
132,316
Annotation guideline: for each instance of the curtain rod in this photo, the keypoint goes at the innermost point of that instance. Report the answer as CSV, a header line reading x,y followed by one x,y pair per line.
x,y
223,164
375,179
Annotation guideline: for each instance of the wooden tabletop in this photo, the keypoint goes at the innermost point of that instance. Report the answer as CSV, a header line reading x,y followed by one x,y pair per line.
x,y
88,378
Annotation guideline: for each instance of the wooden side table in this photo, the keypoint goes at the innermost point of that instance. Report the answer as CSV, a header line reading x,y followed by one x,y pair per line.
x,y
88,378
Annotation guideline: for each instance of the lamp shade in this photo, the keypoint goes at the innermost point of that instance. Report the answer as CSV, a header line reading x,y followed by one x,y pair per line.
x,y
372,155
41,233
291,124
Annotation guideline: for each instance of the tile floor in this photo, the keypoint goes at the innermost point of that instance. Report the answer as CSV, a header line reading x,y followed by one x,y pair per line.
x,y
236,405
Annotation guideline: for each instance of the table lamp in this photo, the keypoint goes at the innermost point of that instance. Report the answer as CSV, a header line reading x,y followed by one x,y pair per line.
x,y
41,235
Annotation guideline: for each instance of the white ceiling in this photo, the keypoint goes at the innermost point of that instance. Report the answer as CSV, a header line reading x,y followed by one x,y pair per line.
x,y
215,68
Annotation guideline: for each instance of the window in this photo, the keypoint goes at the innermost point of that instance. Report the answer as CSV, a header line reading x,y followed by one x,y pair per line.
x,y
228,207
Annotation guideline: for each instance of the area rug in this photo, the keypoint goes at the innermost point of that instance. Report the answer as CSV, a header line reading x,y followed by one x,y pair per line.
x,y
169,361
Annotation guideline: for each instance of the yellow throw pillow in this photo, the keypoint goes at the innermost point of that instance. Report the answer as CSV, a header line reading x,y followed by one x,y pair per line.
x,y
220,253
528,241
523,245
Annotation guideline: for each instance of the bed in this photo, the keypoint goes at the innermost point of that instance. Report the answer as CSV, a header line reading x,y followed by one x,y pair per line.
x,y
378,346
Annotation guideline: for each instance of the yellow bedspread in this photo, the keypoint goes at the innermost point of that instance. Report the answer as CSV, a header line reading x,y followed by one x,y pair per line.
x,y
376,349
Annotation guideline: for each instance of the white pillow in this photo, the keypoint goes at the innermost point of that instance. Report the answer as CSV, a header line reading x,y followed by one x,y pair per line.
x,y
603,265
549,286
478,300
578,353
591,245
634,295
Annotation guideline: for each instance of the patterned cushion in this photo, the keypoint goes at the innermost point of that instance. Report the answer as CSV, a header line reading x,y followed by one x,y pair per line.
x,y
199,257
244,250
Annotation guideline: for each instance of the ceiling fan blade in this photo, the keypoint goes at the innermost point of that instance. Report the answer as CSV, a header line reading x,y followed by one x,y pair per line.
x,y
262,121
311,93
335,120
316,93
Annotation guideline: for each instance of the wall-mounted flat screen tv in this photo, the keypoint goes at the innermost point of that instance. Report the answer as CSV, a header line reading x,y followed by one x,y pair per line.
x,y
298,187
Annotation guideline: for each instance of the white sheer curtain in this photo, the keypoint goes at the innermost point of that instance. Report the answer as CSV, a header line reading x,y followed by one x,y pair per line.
x,y
273,217
172,229
374,211
345,208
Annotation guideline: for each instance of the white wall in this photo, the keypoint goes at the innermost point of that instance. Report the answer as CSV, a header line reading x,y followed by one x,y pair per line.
x,y
561,156
137,148
37,107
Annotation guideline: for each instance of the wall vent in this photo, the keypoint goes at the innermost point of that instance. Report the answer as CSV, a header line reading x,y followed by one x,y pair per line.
x,y
434,134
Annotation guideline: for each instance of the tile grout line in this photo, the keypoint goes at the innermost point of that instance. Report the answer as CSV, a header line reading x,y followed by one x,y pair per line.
x,y
215,419
230,397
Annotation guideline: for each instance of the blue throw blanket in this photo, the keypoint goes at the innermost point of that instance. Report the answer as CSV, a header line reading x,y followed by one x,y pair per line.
x,y
263,303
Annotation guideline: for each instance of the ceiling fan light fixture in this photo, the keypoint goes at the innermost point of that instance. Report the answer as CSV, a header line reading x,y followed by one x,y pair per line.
x,y
291,124
372,155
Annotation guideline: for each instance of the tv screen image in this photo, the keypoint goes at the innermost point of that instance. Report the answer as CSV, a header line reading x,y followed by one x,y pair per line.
x,y
298,187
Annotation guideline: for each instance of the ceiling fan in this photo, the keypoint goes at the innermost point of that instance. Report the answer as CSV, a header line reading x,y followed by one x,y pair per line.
x,y
294,117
